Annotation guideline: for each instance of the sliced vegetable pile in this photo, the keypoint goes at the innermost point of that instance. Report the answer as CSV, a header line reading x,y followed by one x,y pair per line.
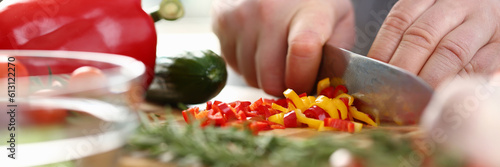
x,y
332,109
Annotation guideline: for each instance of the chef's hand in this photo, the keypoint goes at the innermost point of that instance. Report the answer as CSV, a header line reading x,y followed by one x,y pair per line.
x,y
459,112
277,44
438,39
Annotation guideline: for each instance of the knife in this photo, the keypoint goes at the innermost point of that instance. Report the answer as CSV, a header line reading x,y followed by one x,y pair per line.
x,y
387,92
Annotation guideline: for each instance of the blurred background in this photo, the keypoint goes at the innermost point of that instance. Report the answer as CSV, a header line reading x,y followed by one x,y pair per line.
x,y
191,32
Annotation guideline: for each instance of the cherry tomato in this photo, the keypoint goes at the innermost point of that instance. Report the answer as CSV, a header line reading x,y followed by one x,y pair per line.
x,y
43,116
87,77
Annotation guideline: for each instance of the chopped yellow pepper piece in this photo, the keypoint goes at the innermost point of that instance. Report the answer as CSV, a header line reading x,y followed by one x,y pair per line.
x,y
291,107
305,101
201,115
349,113
361,116
279,108
312,99
324,83
290,94
277,118
323,128
301,117
326,104
341,107
357,126
351,99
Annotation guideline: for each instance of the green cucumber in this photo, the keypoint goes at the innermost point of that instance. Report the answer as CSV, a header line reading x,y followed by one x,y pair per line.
x,y
171,10
190,78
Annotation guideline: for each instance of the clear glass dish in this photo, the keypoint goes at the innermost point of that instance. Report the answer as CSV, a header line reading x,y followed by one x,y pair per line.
x,y
97,118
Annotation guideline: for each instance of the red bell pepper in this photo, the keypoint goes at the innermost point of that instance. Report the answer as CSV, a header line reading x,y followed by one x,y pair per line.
x,y
111,26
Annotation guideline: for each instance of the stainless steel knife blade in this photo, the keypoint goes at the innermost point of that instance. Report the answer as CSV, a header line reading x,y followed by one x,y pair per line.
x,y
389,93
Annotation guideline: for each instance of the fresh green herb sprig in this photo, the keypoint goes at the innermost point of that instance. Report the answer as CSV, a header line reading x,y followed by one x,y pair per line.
x,y
188,145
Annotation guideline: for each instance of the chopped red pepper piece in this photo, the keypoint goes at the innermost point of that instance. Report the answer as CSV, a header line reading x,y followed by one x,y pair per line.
x,y
303,95
316,113
227,111
339,89
310,113
215,105
342,125
252,114
216,118
268,102
190,113
241,115
240,106
256,104
290,119
282,102
328,92
209,105
234,103
258,126
186,114
277,126
265,111
345,100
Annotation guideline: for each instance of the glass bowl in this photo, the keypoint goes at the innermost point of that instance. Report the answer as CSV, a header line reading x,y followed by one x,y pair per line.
x,y
47,121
